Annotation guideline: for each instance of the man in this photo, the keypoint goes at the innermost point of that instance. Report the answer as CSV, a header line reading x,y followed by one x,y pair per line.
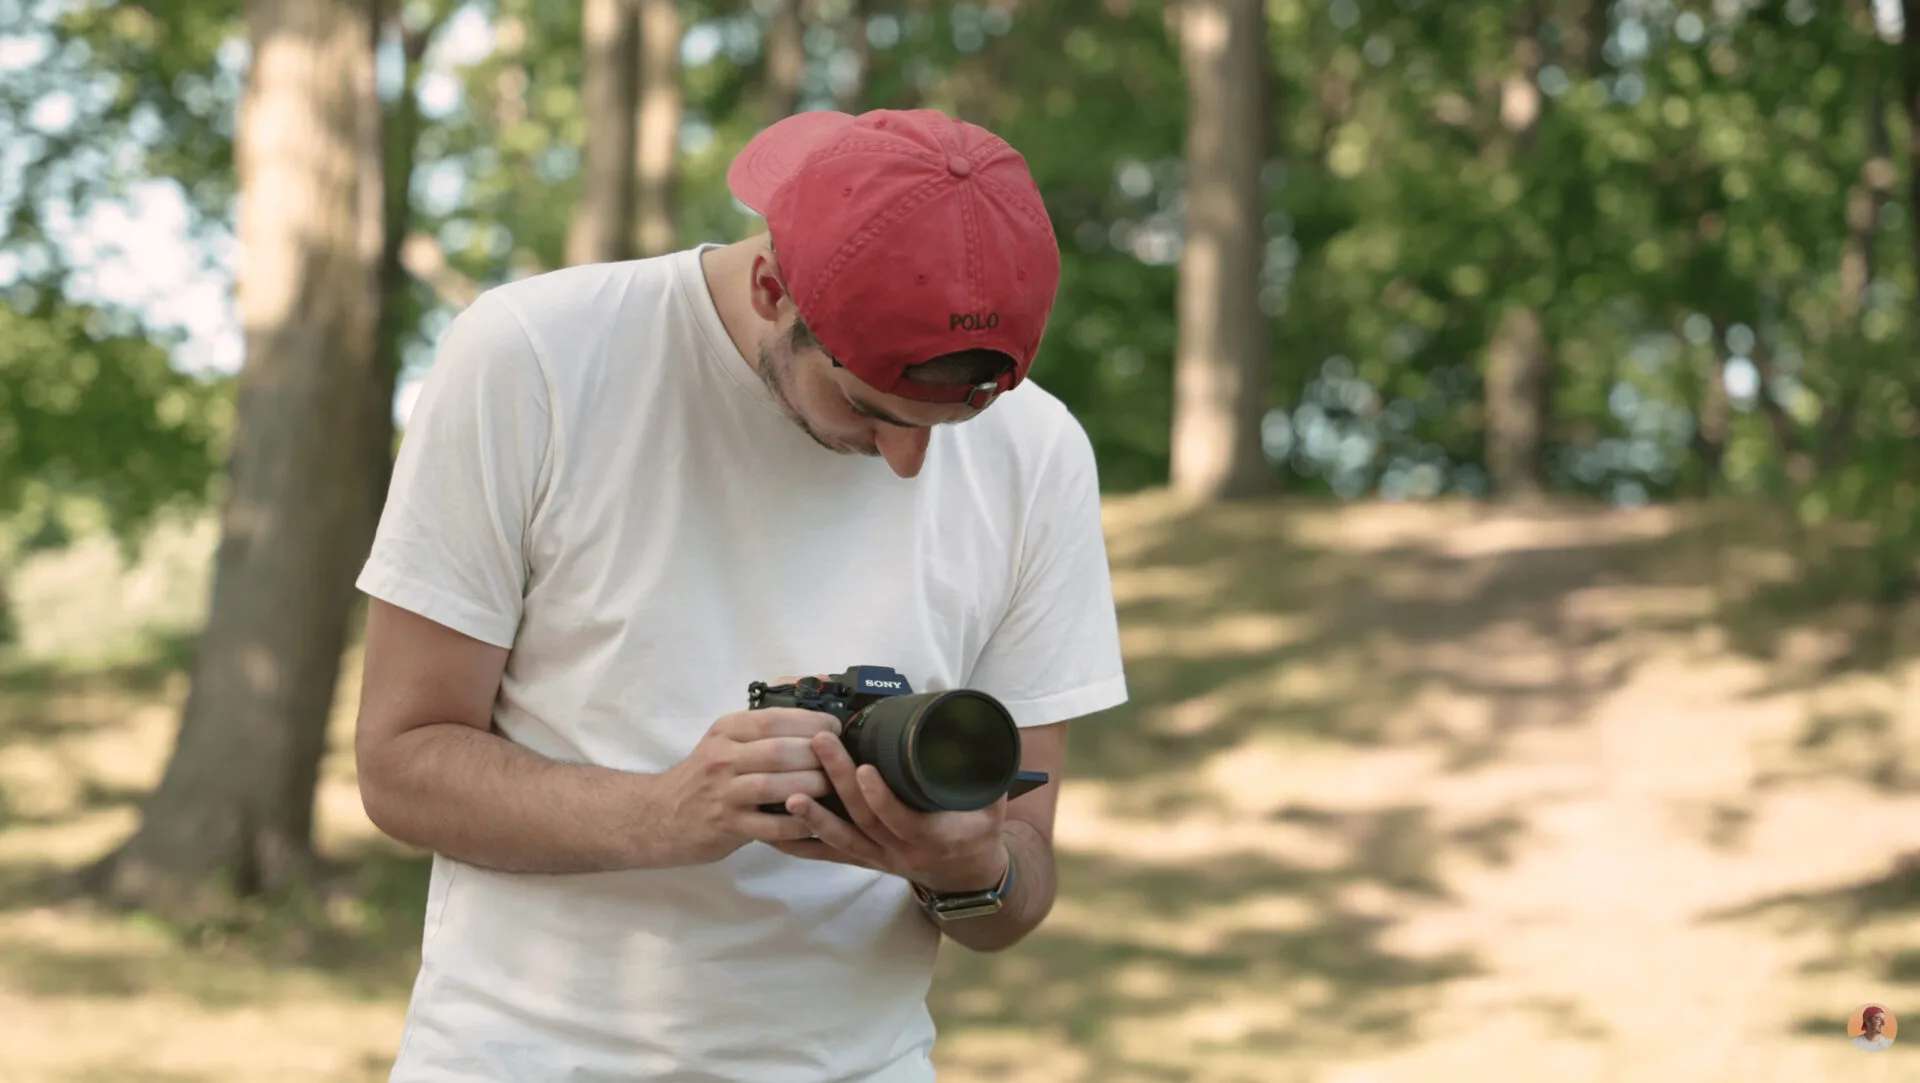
x,y
629,490
1873,1026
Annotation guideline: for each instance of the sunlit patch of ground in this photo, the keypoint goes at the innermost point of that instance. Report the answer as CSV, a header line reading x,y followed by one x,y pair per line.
x,y
1407,794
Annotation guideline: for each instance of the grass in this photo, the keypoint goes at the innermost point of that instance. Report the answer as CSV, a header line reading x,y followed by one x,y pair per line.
x,y
1406,794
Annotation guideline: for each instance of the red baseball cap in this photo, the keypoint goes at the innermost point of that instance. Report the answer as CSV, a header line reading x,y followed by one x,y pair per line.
x,y
904,235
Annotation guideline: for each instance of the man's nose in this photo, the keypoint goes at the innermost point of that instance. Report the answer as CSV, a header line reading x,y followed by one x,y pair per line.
x,y
904,449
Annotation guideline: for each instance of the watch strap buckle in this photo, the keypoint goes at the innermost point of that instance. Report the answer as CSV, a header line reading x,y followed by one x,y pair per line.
x,y
958,906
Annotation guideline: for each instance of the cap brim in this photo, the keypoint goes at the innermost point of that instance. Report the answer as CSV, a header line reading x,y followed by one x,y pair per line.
x,y
772,156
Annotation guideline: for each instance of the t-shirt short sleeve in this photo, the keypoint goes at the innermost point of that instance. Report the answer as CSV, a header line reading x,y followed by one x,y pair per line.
x,y
1056,653
451,545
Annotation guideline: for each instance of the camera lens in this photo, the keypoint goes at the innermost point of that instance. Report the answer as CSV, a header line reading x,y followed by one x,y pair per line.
x,y
941,751
965,750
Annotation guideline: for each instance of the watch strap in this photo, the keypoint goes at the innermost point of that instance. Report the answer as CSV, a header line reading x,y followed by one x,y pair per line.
x,y
959,905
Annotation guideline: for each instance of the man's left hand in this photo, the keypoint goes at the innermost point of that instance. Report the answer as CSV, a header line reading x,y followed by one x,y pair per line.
x,y
940,851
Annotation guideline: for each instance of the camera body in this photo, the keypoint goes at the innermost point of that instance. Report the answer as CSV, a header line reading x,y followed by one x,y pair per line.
x,y
936,751
843,695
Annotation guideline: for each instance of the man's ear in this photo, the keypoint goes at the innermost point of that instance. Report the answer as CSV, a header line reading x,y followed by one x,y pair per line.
x,y
766,287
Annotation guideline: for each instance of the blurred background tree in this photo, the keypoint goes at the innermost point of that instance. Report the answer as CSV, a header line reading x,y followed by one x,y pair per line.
x,y
1220,369
296,521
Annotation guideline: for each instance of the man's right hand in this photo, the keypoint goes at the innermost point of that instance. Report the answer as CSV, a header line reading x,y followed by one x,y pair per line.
x,y
435,774
747,759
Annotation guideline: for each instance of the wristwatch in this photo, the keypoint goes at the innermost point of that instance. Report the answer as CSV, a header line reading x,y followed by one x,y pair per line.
x,y
959,905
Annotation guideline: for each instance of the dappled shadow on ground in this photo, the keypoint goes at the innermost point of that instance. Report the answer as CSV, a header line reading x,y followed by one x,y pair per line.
x,y
1867,924
1366,634
91,795
1454,628
358,930
1245,889
1150,965
47,708
37,970
138,1075
164,654
1811,600
1863,744
80,747
1255,619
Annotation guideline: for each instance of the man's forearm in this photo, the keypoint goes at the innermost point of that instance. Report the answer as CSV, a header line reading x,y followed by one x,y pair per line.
x,y
477,797
1029,899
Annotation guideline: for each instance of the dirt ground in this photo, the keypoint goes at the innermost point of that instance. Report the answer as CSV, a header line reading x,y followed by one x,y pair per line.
x,y
1407,794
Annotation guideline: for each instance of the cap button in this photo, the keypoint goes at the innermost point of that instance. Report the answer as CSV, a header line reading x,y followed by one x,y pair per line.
x,y
959,166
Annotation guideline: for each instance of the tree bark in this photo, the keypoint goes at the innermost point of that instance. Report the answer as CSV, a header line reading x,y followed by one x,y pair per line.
x,y
1863,214
658,142
602,230
1858,267
234,809
1221,377
1516,387
1910,93
393,161
386,159
1715,413
1518,376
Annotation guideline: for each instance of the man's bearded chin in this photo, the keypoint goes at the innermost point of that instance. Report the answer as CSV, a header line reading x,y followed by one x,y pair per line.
x,y
770,375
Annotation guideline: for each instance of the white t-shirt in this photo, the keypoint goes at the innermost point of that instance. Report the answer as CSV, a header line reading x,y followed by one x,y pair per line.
x,y
593,477
1871,1045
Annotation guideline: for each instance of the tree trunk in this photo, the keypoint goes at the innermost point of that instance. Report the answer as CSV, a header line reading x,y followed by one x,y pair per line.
x,y
603,227
1858,262
1795,454
1910,91
1221,371
1517,378
658,143
1857,270
394,161
786,60
1715,427
234,809
1863,215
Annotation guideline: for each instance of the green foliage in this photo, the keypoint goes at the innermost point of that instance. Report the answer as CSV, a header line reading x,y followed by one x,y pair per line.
x,y
122,92
90,407
1675,208
173,71
1091,94
89,410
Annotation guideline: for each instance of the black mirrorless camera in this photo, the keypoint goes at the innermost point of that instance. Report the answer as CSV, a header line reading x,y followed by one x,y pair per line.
x,y
937,751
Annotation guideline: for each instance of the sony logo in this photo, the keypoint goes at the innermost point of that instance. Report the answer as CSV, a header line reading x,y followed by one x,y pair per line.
x,y
883,684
